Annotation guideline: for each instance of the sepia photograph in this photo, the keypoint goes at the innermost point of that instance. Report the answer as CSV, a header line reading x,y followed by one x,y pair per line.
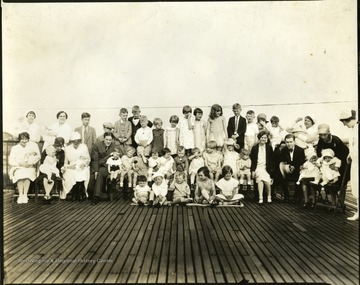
x,y
180,142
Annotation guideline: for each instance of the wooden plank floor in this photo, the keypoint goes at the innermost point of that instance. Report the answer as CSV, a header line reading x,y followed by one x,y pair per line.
x,y
114,242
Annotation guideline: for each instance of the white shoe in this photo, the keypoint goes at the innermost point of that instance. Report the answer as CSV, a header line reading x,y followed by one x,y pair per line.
x,y
25,200
261,201
354,218
269,200
20,200
297,182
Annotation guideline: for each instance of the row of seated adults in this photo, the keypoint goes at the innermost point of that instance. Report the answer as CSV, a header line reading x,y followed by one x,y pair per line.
x,y
293,157
81,175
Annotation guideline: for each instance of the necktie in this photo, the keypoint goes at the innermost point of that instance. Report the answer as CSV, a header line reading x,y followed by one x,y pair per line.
x,y
85,134
236,124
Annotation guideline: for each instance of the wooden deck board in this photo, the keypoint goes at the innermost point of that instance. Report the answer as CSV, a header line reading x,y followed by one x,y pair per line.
x,y
274,243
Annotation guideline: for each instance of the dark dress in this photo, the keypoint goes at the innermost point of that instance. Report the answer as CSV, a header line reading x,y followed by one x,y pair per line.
x,y
158,140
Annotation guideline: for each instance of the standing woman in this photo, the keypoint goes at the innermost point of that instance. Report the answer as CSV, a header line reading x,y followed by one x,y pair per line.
x,y
262,165
76,170
23,159
349,120
31,127
58,129
309,137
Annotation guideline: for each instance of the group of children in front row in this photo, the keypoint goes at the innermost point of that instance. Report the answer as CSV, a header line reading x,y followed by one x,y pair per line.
x,y
152,177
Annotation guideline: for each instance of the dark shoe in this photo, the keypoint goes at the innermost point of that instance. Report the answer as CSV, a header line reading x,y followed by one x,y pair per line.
x,y
141,204
94,202
151,203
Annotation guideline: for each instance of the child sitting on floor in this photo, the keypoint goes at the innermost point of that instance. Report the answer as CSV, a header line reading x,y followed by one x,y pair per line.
x,y
158,191
229,188
205,187
141,191
180,189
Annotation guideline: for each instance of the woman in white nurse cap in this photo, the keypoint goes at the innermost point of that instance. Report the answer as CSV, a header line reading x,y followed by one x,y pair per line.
x,y
348,118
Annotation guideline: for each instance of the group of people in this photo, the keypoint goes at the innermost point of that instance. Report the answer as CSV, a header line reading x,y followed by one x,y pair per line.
x,y
193,160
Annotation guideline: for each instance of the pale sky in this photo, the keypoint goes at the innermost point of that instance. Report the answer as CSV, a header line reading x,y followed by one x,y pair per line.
x,y
99,57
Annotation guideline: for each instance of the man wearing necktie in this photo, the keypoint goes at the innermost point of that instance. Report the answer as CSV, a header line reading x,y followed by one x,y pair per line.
x,y
88,133
237,127
291,157
99,170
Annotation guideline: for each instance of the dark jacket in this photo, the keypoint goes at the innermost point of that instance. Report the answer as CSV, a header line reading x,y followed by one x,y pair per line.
x,y
269,158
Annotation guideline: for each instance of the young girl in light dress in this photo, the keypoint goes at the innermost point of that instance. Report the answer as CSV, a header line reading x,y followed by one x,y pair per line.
x,y
172,135
199,130
196,163
186,130
244,166
216,126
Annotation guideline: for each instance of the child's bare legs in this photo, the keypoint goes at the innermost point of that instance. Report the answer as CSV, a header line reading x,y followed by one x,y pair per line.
x,y
217,175
135,179
212,174
192,178
241,180
48,186
206,196
130,178
122,176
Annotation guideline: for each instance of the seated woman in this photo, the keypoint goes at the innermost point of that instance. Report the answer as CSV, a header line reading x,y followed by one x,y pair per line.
x,y
262,166
76,171
229,188
205,187
23,159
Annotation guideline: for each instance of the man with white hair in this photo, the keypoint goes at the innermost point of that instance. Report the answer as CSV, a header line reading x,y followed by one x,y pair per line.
x,y
348,118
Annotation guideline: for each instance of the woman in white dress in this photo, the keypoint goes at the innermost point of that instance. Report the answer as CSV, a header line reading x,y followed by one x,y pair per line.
x,y
76,170
31,127
58,129
23,159
348,118
306,133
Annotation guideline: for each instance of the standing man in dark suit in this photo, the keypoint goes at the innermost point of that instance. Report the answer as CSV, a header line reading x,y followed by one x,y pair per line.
x,y
237,127
291,158
88,133
135,124
99,170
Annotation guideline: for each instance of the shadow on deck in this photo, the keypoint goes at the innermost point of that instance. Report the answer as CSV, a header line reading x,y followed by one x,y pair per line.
x,y
114,242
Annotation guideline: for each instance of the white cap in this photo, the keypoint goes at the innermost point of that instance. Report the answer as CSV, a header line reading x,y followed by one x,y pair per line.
x,y
327,152
75,136
345,115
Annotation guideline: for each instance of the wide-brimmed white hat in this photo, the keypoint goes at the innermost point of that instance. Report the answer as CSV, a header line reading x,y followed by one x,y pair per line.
x,y
284,168
75,136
